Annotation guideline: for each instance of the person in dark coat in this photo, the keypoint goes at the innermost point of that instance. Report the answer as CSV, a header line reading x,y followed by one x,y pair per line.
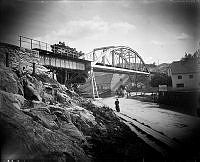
x,y
117,105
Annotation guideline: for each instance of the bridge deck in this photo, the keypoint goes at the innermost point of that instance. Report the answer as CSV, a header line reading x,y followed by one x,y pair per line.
x,y
48,58
119,70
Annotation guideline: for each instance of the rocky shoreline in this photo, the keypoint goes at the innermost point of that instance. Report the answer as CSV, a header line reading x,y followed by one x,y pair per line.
x,y
40,119
43,120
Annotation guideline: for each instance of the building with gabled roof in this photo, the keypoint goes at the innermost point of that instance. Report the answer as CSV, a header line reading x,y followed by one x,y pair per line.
x,y
185,75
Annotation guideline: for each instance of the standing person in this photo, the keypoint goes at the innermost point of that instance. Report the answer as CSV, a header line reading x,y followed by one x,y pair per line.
x,y
117,105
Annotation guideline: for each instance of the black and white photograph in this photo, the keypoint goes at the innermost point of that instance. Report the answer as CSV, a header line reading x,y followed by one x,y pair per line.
x,y
100,80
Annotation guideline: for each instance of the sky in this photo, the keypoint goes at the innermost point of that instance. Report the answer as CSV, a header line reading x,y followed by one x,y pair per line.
x,y
161,31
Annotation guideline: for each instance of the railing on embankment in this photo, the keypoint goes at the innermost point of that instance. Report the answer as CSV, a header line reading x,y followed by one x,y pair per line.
x,y
50,58
30,43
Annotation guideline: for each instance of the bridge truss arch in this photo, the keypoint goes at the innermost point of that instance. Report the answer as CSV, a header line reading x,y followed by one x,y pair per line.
x,y
114,59
119,59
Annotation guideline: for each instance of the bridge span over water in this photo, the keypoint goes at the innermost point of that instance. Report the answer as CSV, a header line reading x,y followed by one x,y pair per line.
x,y
111,59
114,59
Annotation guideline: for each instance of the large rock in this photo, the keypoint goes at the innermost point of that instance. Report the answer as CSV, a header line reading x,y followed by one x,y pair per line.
x,y
26,136
57,119
63,98
36,83
30,91
8,80
44,117
10,100
83,120
70,130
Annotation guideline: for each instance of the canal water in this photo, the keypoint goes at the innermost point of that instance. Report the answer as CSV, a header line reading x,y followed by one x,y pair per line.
x,y
171,123
148,99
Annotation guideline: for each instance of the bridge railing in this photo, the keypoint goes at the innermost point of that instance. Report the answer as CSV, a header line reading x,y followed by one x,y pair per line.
x,y
33,43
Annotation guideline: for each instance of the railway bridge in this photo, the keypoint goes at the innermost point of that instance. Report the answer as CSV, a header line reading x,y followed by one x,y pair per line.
x,y
110,59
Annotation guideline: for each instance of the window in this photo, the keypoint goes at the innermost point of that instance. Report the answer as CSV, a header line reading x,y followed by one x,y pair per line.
x,y
191,76
179,76
179,85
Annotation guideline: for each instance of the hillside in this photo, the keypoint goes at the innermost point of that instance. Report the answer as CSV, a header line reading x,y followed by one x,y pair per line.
x,y
161,68
107,78
41,119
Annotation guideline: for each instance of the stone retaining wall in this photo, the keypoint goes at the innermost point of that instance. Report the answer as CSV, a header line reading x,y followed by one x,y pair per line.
x,y
18,57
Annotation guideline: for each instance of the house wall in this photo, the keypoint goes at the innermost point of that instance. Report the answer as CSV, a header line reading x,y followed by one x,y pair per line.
x,y
189,83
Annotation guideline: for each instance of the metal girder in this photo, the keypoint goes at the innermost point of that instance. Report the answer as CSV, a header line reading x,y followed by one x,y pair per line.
x,y
99,68
120,57
114,59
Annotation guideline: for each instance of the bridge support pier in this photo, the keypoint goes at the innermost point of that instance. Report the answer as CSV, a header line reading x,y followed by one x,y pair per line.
x,y
66,76
94,85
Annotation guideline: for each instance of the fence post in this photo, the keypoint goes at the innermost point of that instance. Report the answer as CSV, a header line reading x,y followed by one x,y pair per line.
x,y
31,44
39,45
20,40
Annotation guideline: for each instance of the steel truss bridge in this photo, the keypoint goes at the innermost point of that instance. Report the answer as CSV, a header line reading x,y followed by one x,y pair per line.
x,y
111,59
114,59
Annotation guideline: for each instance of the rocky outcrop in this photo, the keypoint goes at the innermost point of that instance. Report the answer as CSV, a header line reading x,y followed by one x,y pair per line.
x,y
30,91
41,119
32,129
37,133
11,100
9,81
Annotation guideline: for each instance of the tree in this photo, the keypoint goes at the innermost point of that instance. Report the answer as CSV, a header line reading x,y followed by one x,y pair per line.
x,y
191,57
196,54
63,49
160,79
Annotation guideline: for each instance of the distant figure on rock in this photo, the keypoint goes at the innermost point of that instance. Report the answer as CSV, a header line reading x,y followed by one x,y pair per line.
x,y
117,105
